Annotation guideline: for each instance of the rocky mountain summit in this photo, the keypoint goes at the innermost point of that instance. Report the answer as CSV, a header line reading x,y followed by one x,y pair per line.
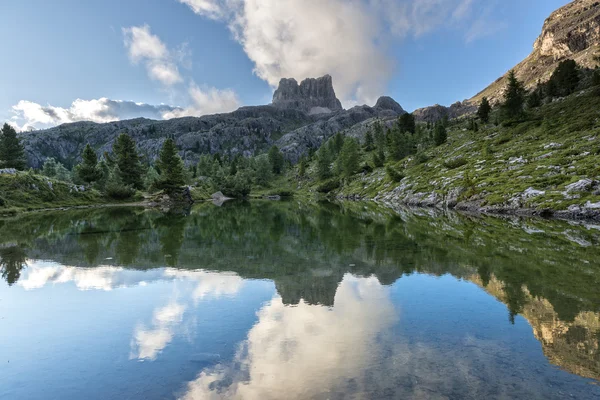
x,y
312,96
571,32
300,117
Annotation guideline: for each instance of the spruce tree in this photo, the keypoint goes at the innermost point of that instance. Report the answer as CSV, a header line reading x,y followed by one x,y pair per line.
x,y
406,123
302,165
369,141
264,171
347,162
276,159
440,135
128,161
483,112
12,153
171,166
324,157
566,77
514,97
88,171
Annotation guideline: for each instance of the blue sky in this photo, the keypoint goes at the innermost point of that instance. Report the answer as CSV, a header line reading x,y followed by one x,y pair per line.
x,y
169,58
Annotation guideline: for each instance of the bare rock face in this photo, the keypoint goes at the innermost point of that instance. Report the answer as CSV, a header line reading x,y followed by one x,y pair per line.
x,y
571,32
312,96
437,112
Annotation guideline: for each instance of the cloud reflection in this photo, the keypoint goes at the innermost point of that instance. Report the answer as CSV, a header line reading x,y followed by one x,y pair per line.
x,y
147,343
305,350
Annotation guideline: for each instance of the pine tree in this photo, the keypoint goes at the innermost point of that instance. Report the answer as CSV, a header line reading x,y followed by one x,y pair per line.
x,y
324,157
369,141
514,97
302,165
12,153
49,168
534,99
151,179
128,161
88,171
483,112
566,77
263,171
440,135
347,162
171,166
276,159
406,123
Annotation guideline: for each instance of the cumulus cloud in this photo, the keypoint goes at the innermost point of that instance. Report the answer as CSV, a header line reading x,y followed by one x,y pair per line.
x,y
302,351
147,343
145,47
348,39
207,100
30,115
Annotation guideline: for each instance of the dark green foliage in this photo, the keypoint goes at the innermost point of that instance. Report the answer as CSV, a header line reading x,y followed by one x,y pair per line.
x,y
88,171
171,166
236,186
454,163
328,186
439,134
514,97
483,112
473,125
128,161
324,159
534,100
116,188
347,163
337,143
378,159
565,77
276,159
302,165
54,169
406,123
393,174
12,154
263,171
369,141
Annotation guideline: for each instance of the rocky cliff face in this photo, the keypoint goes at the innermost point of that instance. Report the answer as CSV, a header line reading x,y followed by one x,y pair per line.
x,y
572,31
301,116
312,96
437,112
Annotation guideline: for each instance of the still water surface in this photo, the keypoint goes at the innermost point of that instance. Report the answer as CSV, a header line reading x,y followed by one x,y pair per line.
x,y
290,301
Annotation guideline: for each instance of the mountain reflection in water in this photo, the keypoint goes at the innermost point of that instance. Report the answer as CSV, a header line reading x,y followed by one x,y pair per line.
x,y
367,302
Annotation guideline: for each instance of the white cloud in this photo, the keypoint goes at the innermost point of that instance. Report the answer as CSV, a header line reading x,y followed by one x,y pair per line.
x,y
207,101
147,343
30,115
304,350
348,39
145,47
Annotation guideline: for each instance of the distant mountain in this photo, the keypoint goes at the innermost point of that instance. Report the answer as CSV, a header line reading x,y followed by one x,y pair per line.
x,y
301,117
571,32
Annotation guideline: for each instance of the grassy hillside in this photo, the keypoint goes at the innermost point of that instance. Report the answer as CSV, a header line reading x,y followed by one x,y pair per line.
x,y
27,191
524,164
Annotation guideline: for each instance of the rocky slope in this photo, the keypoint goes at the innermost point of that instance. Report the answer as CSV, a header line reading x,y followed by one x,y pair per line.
x,y
571,32
300,117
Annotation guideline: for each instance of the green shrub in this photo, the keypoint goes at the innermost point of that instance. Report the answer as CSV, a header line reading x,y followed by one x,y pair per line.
x,y
118,191
393,174
2,202
328,186
455,162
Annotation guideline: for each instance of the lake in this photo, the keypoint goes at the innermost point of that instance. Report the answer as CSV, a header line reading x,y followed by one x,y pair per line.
x,y
286,300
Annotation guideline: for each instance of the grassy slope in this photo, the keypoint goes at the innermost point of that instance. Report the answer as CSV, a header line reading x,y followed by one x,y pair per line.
x,y
26,192
556,145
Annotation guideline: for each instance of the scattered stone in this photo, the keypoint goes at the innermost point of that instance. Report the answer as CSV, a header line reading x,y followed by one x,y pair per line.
x,y
583,185
8,171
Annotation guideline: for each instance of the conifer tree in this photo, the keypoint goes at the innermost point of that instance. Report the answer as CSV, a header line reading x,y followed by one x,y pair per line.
x,y
324,162
264,171
347,162
440,135
566,77
302,165
12,153
171,166
514,97
128,161
88,171
483,112
369,141
276,159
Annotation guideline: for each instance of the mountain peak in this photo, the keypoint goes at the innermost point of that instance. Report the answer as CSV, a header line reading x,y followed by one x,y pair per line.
x,y
312,95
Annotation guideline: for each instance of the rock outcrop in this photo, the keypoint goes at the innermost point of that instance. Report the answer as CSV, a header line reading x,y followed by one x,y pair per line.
x,y
312,96
572,31
438,112
301,117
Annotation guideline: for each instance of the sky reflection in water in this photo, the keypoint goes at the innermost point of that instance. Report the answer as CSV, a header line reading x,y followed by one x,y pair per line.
x,y
320,303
